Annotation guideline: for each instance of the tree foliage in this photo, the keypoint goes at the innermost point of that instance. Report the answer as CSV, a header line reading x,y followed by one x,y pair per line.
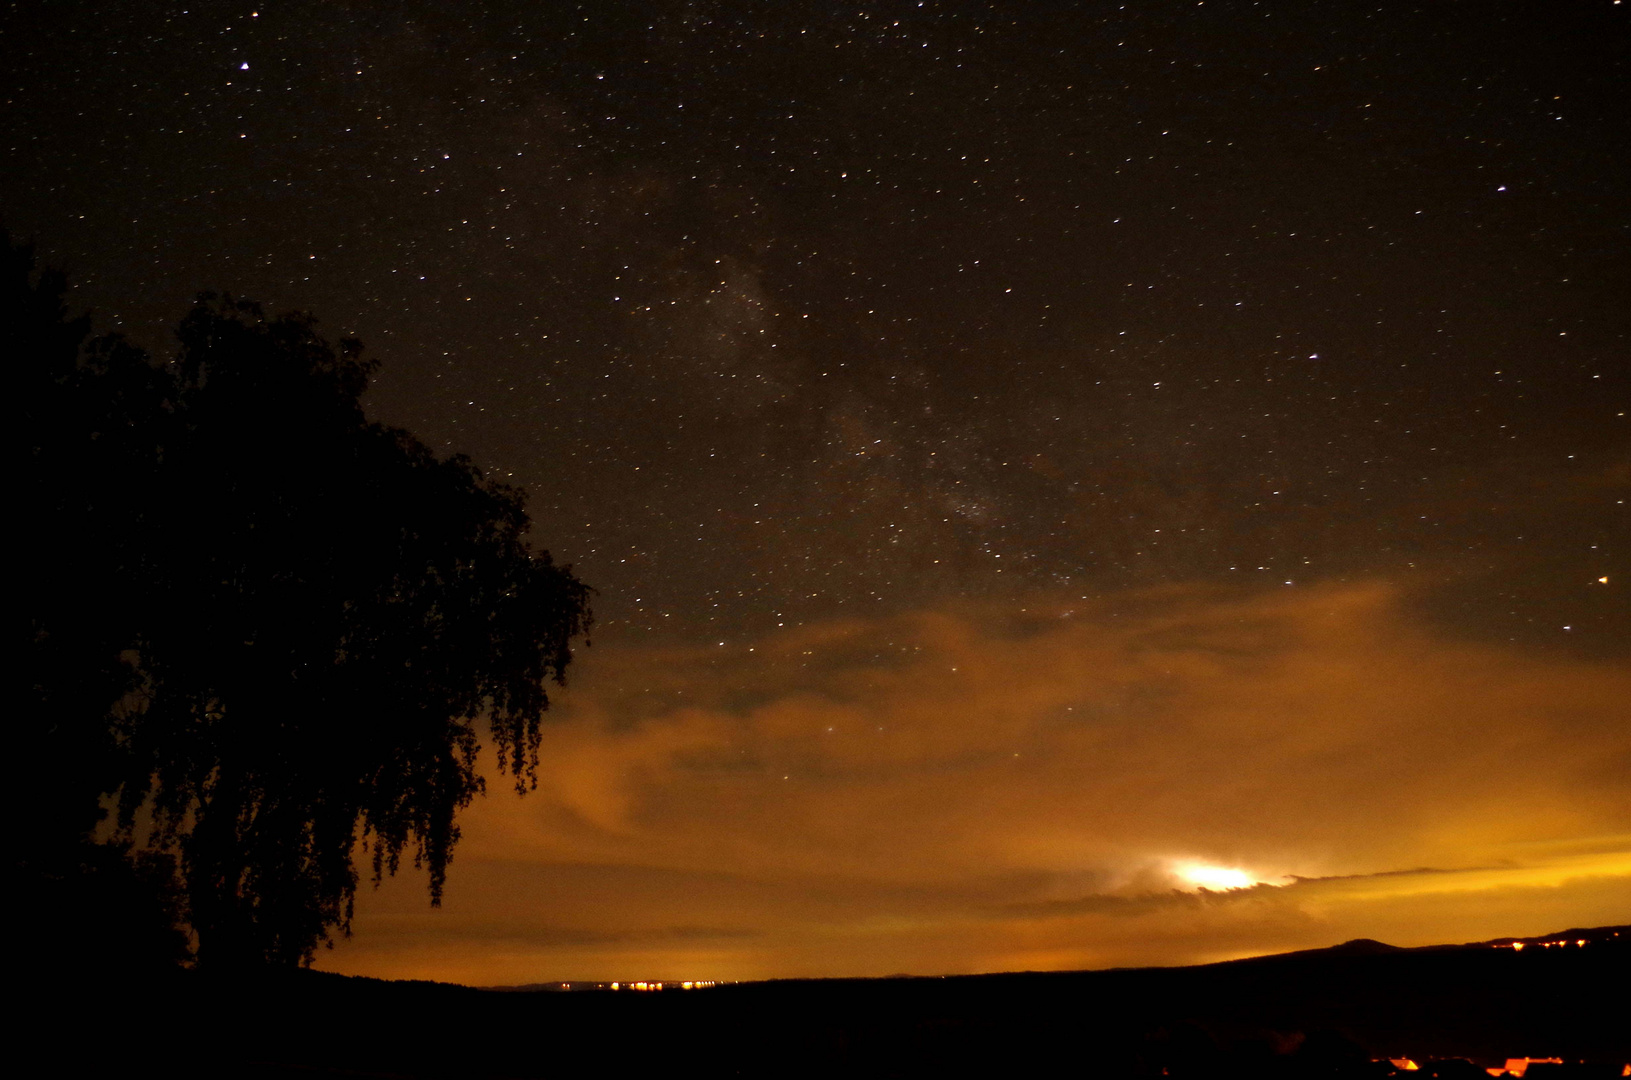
x,y
261,627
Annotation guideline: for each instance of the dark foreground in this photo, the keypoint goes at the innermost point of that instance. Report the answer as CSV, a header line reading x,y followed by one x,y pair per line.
x,y
1331,1012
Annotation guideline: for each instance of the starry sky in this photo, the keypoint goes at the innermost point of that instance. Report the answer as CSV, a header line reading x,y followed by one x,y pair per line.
x,y
1026,452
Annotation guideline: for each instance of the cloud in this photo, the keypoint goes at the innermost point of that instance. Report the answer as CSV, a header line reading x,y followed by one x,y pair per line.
x,y
979,788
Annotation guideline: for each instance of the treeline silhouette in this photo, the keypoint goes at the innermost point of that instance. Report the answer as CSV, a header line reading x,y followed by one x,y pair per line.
x,y
257,630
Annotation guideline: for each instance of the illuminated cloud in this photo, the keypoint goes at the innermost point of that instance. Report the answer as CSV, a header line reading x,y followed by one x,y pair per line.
x,y
1164,777
1201,876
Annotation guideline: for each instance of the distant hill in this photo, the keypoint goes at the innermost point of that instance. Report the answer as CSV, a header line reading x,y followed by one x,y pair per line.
x,y
1364,945
1573,938
1322,1012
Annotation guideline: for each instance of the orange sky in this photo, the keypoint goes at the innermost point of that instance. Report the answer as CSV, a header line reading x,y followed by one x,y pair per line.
x,y
1018,788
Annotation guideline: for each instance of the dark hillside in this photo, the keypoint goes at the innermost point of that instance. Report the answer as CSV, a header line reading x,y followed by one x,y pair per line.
x,y
1324,1012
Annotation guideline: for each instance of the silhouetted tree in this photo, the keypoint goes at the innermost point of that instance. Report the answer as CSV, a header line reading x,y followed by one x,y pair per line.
x,y
270,628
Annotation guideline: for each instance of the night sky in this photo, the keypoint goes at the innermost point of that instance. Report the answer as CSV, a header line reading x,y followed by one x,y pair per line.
x,y
1025,452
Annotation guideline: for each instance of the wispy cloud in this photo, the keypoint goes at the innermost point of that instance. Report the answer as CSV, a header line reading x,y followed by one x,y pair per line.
x,y
979,788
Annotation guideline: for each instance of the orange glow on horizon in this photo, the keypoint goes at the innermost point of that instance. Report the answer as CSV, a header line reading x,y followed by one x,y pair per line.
x,y
1099,792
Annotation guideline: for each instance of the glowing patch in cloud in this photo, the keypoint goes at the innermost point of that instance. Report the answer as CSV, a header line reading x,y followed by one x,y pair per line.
x,y
1217,878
